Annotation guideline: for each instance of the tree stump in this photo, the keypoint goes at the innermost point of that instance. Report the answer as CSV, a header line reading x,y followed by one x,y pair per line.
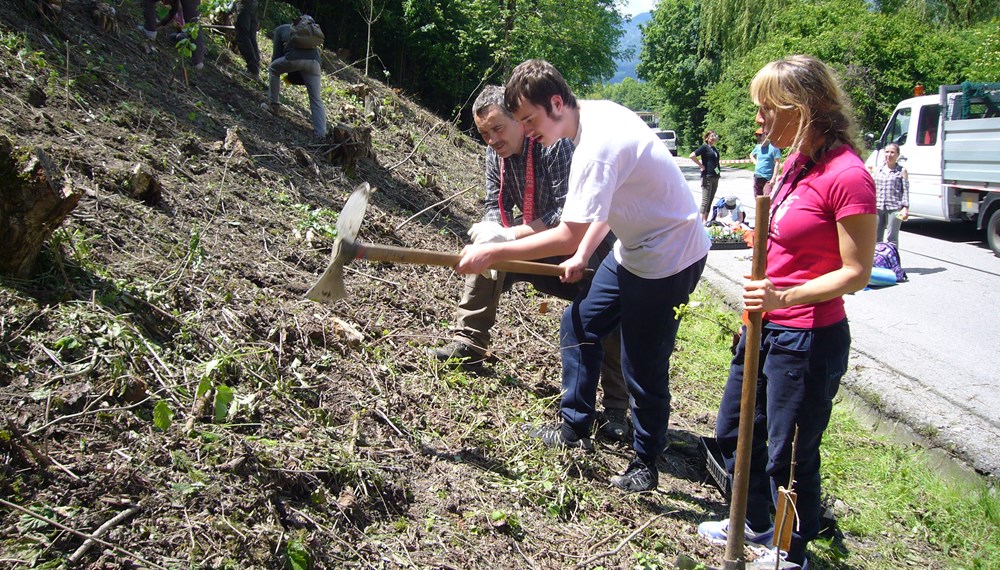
x,y
345,145
34,201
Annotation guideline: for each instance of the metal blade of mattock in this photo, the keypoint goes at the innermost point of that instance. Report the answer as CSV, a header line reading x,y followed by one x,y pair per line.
x,y
734,556
330,286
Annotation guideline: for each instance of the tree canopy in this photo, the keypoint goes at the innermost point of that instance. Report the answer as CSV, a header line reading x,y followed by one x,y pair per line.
x,y
444,51
703,54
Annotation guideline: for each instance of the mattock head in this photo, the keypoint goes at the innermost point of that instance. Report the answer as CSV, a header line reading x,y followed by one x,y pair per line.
x,y
330,286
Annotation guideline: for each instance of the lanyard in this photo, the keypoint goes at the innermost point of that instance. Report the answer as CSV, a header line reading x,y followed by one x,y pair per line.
x,y
528,209
777,200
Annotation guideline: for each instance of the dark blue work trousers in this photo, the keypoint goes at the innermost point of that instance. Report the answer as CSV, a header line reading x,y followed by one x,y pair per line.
x,y
799,374
644,308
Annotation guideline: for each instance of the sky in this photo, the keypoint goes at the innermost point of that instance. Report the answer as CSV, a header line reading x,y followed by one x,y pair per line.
x,y
633,7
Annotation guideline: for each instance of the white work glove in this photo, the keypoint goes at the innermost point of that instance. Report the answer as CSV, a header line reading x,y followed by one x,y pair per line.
x,y
490,232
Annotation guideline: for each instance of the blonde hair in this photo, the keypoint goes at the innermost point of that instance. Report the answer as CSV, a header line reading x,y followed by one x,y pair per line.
x,y
809,86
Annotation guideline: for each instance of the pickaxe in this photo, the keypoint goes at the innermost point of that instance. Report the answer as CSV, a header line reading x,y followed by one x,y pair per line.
x,y
347,248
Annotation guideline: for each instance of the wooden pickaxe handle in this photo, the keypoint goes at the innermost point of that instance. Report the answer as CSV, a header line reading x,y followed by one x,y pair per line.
x,y
395,254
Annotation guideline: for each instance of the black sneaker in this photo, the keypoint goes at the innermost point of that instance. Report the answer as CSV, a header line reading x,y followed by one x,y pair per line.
x,y
638,477
552,435
458,351
614,425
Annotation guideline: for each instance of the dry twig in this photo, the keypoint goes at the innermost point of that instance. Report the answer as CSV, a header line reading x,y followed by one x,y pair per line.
x,y
83,535
586,563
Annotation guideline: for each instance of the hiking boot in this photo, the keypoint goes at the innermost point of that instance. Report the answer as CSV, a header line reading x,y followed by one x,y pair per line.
x,y
637,477
717,532
771,559
273,108
553,435
614,425
458,351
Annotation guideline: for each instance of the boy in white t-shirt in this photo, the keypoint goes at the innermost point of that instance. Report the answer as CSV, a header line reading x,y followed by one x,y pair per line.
x,y
622,178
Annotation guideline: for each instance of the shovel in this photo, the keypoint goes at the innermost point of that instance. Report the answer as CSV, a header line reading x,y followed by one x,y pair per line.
x,y
330,286
734,557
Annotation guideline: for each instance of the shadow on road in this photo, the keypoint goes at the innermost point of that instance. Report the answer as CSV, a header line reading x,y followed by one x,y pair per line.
x,y
954,232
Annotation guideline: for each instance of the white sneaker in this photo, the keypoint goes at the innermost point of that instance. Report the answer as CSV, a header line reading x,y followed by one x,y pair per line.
x,y
718,532
774,556
150,35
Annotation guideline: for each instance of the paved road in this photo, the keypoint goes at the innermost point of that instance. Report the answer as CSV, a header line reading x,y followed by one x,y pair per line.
x,y
926,351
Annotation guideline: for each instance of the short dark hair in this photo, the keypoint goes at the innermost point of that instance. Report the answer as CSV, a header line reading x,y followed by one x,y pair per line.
x,y
536,81
490,96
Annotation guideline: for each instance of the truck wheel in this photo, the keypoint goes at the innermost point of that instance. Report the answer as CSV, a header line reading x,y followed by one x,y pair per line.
x,y
993,232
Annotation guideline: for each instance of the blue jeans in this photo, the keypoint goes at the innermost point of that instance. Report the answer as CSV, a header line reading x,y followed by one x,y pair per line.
x,y
644,308
799,374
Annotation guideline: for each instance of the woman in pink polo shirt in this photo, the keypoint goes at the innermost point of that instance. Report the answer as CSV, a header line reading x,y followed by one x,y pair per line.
x,y
820,246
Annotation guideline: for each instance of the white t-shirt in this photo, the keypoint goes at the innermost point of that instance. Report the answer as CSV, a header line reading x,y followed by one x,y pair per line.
x,y
623,174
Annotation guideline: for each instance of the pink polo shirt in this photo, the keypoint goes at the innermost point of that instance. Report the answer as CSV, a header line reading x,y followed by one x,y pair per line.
x,y
803,240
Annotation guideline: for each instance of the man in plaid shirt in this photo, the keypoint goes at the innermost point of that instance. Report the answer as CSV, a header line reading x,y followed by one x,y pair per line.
x,y
523,175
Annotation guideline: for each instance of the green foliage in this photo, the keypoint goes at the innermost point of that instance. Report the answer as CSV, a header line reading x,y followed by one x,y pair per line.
x,y
186,46
298,556
447,50
985,65
224,397
671,60
636,95
163,415
879,59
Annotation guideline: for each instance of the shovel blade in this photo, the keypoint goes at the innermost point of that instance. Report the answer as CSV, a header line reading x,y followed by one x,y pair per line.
x,y
330,287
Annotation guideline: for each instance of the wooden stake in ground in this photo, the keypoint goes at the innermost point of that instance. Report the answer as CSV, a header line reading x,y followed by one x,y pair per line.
x,y
785,513
734,558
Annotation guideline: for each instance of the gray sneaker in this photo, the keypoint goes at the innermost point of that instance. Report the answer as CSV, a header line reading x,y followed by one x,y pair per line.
x,y
638,477
614,425
552,435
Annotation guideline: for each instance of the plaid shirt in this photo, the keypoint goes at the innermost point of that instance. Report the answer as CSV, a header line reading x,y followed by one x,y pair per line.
x,y
892,190
551,182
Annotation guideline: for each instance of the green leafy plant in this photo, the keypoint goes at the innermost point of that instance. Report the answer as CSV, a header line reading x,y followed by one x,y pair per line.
x,y
163,415
298,556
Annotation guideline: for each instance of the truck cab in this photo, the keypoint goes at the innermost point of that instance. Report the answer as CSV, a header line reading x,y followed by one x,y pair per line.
x,y
950,146
914,126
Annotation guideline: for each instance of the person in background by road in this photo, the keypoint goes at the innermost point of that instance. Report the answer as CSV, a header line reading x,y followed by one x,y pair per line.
x,y
624,179
728,211
707,158
767,163
522,174
821,242
892,195
247,23
287,58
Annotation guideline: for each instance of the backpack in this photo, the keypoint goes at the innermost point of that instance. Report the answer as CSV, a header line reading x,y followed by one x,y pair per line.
x,y
887,257
306,34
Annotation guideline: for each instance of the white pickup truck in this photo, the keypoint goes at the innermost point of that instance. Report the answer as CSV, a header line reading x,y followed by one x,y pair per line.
x,y
950,146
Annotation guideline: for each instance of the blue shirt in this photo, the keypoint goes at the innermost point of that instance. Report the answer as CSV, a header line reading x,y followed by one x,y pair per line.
x,y
765,160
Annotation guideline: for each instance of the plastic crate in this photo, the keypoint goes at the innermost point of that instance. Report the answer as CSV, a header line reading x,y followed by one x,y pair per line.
x,y
717,467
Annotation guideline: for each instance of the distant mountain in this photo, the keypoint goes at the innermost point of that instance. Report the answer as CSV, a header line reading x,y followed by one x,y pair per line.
x,y
632,40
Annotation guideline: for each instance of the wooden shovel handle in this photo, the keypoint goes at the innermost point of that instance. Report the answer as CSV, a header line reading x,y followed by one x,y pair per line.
x,y
429,257
748,398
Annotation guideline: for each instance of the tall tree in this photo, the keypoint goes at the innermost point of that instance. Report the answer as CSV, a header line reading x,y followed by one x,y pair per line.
x,y
671,60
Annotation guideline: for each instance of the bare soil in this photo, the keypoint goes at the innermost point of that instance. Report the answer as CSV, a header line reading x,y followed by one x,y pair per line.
x,y
358,452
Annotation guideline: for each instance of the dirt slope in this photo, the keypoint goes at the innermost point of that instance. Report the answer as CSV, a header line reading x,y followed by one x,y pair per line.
x,y
288,442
